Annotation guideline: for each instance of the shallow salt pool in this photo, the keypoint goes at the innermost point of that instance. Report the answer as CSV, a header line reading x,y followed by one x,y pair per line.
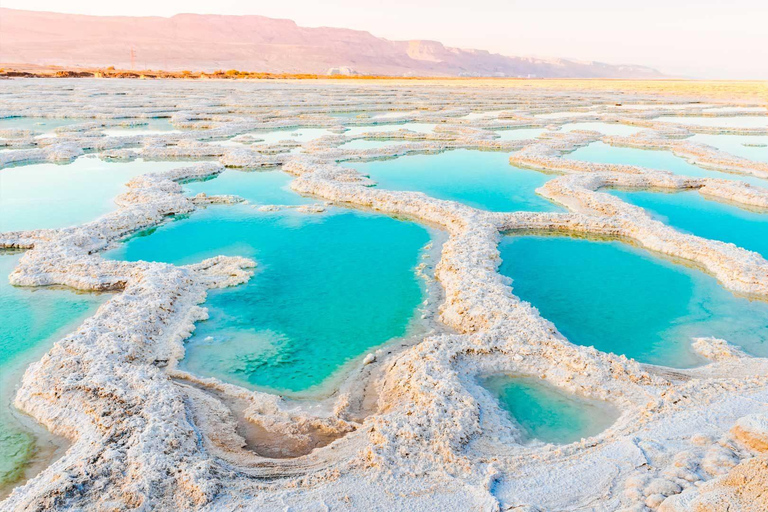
x,y
752,147
482,179
623,130
691,212
33,319
328,288
48,195
153,126
548,414
370,144
724,121
624,300
383,128
600,152
519,133
258,187
43,125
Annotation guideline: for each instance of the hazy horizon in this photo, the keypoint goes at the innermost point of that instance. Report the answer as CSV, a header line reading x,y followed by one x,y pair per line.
x,y
706,39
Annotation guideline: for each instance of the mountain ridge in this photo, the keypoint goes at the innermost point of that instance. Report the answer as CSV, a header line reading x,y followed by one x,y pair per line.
x,y
205,42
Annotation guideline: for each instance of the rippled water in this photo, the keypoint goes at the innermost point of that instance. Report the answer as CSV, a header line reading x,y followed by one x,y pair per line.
x,y
483,179
33,319
55,195
328,288
621,299
691,212
599,152
548,414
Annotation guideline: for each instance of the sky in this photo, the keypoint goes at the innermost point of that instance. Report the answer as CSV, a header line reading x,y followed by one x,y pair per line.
x,y
698,39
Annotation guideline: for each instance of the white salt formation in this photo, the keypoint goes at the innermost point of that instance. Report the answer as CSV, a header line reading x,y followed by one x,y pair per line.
x,y
409,428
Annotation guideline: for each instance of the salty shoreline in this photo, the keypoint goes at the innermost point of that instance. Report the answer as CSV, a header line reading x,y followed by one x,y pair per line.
x,y
432,426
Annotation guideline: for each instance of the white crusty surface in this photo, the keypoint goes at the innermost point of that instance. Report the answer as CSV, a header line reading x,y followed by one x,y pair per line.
x,y
410,428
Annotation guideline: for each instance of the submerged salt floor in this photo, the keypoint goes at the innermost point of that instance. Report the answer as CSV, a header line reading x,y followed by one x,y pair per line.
x,y
723,121
600,152
257,187
623,130
691,212
483,179
43,125
384,128
369,144
519,133
624,300
151,126
751,147
545,413
328,287
47,195
33,319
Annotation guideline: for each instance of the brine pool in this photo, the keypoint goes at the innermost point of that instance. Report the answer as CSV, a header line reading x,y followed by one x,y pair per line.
x,y
547,414
33,319
482,179
624,300
43,196
328,288
600,152
690,212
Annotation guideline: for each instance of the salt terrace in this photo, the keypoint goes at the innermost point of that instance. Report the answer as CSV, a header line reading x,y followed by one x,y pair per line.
x,y
409,426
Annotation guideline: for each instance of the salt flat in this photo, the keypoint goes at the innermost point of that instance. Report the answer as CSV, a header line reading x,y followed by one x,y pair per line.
x,y
403,424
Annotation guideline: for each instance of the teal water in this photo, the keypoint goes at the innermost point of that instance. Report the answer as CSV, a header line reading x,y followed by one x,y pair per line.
x,y
153,126
545,413
724,121
45,125
621,299
258,187
482,179
383,128
33,318
519,133
623,130
691,212
328,288
370,144
599,152
735,145
54,196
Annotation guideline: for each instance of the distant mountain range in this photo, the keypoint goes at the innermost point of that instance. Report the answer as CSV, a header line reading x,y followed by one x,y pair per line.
x,y
199,42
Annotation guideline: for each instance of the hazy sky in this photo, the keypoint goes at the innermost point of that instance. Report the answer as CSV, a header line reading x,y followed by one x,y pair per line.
x,y
704,38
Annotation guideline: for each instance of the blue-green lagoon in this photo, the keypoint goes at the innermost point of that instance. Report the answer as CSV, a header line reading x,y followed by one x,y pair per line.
x,y
482,179
751,147
42,125
547,414
49,195
328,288
257,187
34,318
151,126
519,133
692,213
600,152
624,300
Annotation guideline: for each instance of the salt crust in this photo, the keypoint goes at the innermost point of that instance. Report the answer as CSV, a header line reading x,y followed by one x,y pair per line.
x,y
146,435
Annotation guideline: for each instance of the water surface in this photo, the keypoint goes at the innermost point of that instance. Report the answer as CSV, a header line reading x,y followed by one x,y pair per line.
x,y
624,300
482,179
690,212
548,414
623,130
33,319
751,147
258,187
723,121
328,288
599,152
44,125
49,195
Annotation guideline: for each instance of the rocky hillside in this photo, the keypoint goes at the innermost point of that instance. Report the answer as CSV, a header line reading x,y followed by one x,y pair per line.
x,y
257,43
